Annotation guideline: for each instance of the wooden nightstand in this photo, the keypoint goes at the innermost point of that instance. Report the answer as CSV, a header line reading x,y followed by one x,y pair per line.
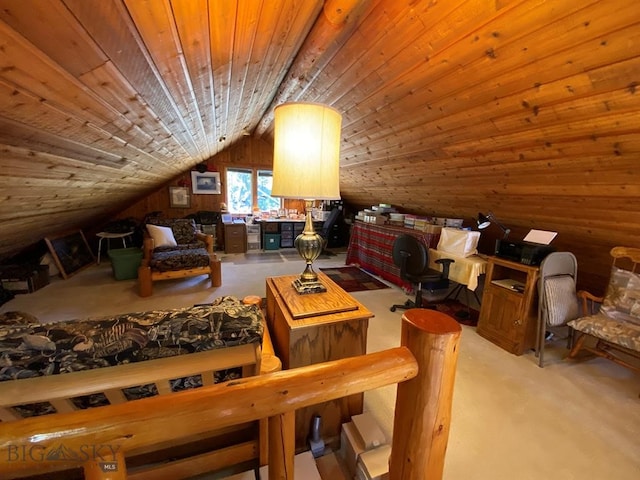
x,y
508,315
235,237
316,328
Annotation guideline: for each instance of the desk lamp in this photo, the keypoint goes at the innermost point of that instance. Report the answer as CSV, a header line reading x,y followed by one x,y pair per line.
x,y
485,220
306,165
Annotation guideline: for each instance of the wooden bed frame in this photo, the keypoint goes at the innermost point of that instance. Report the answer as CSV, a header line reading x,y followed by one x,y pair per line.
x,y
217,450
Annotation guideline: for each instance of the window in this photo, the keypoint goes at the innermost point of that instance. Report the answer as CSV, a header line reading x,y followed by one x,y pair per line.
x,y
265,201
239,190
241,194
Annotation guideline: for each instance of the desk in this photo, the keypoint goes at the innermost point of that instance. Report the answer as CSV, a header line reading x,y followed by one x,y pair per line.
x,y
287,228
316,328
109,236
465,270
371,247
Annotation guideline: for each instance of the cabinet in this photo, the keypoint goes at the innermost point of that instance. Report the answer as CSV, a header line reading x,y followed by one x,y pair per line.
x,y
316,328
286,235
235,237
286,231
253,237
509,315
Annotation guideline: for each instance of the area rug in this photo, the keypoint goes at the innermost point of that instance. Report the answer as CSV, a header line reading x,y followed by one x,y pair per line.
x,y
353,279
461,313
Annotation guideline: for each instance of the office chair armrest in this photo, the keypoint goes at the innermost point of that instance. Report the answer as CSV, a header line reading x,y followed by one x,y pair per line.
x,y
445,262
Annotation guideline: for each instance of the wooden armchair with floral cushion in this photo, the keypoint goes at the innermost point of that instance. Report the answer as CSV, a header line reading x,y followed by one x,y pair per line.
x,y
173,248
610,325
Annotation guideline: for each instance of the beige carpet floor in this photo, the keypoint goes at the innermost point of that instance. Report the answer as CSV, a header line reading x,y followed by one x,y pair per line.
x,y
510,419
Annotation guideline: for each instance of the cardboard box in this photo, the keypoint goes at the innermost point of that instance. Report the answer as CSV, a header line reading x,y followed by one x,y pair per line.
x,y
304,468
374,464
351,447
371,436
330,468
24,279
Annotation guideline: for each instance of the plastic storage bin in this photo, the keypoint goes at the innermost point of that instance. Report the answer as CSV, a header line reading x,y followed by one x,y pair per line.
x,y
125,262
271,241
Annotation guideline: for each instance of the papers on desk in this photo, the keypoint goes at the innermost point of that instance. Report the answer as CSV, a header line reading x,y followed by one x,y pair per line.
x,y
540,236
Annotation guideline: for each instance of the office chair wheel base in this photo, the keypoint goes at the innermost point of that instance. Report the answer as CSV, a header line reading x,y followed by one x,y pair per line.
x,y
393,309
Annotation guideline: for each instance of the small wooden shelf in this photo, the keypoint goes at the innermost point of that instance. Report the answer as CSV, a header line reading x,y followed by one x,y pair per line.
x,y
508,316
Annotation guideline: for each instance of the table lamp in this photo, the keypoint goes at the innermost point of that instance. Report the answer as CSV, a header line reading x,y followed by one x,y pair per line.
x,y
485,220
306,165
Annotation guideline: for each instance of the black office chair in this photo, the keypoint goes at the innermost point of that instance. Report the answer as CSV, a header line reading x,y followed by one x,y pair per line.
x,y
413,259
327,228
328,224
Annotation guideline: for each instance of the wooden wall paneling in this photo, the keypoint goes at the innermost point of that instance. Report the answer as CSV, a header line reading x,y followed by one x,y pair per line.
x,y
156,26
247,24
482,92
248,152
72,48
222,28
135,122
342,78
270,57
192,23
110,25
60,90
21,135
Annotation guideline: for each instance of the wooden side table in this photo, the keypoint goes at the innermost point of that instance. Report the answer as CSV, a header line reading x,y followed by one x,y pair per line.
x,y
508,315
316,328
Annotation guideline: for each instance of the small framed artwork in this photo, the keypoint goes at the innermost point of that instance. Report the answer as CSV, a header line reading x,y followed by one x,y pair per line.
x,y
207,182
179,197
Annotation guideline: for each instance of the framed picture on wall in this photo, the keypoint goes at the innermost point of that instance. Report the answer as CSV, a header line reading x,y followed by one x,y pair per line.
x,y
206,183
179,197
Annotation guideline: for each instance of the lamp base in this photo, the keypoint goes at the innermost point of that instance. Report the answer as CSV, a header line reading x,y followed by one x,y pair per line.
x,y
303,287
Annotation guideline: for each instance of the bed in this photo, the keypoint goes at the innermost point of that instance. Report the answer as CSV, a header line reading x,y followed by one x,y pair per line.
x,y
50,369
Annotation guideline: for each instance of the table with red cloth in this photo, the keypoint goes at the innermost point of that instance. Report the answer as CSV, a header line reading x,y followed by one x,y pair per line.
x,y
371,248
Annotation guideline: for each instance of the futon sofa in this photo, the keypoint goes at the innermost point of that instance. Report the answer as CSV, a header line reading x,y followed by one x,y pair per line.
x,y
81,364
173,248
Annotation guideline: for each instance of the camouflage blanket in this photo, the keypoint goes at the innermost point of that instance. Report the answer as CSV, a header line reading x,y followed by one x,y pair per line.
x,y
30,349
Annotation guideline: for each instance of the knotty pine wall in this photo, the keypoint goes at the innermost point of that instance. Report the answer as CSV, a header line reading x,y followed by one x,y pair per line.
x,y
247,153
526,108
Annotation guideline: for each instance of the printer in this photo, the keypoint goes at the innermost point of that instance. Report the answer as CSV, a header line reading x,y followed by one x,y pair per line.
x,y
527,253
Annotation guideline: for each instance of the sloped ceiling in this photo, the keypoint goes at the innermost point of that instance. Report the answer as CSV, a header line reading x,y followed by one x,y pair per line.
x,y
528,108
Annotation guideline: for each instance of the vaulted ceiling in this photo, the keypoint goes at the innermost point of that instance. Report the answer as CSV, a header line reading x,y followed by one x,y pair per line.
x,y
529,108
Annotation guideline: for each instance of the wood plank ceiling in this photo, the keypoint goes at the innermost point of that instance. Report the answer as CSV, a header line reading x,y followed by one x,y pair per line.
x,y
528,108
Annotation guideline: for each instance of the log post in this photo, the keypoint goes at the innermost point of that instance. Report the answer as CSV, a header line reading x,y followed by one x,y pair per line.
x,y
216,270
423,404
282,446
145,284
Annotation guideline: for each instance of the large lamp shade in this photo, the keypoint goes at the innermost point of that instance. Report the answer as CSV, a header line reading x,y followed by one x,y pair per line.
x,y
306,154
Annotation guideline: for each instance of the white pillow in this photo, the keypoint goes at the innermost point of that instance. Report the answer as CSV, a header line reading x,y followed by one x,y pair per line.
x,y
162,236
463,243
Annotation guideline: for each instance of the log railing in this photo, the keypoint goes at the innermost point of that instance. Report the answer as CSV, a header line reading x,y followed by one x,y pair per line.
x,y
424,366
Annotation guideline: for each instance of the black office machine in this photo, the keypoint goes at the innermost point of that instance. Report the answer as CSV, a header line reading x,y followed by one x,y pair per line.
x,y
527,253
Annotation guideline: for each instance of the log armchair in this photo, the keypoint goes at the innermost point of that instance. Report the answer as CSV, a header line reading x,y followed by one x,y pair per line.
x,y
173,248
